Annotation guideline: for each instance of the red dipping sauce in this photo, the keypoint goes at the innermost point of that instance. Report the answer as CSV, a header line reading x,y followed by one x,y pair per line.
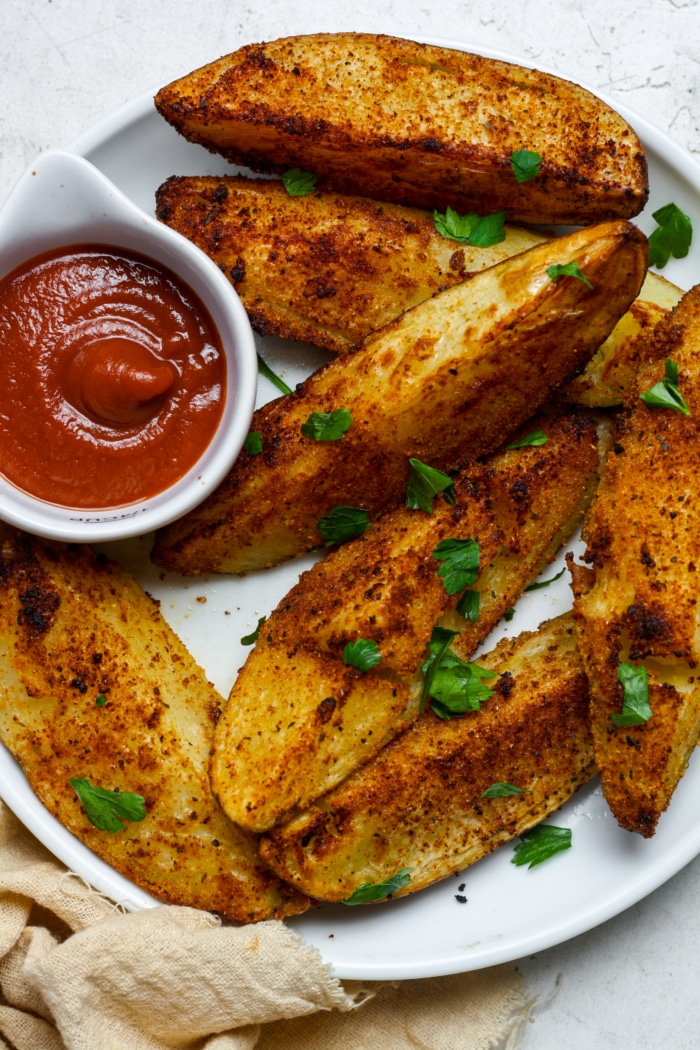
x,y
112,377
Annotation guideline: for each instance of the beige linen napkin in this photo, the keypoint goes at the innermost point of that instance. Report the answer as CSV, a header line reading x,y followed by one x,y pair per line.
x,y
76,973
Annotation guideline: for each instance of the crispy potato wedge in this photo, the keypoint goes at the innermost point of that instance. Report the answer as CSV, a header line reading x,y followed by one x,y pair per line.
x,y
413,123
419,804
326,268
446,381
299,720
638,603
94,684
611,373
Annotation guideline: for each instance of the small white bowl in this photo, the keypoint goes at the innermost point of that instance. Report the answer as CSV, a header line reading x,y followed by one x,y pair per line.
x,y
62,200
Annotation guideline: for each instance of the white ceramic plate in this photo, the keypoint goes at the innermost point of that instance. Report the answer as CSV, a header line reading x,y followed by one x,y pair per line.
x,y
510,912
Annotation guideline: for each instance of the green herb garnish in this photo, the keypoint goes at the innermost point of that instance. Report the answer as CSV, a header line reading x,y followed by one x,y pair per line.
x,y
250,639
343,524
424,483
101,700
672,237
666,394
540,844
525,164
460,563
545,583
470,229
253,443
571,269
362,654
299,183
508,615
468,606
265,370
327,426
635,696
377,891
532,440
104,808
454,685
502,789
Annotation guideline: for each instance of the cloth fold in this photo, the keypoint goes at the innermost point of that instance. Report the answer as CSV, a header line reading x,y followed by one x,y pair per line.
x,y
77,973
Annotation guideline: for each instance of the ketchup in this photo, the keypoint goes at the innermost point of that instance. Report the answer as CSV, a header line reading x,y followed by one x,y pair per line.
x,y
112,377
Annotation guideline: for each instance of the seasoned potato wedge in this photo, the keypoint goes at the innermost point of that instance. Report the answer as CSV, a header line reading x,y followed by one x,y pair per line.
x,y
446,381
326,268
299,720
94,684
419,804
413,123
638,603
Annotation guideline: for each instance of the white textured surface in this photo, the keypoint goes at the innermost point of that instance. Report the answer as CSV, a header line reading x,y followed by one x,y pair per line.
x,y
631,982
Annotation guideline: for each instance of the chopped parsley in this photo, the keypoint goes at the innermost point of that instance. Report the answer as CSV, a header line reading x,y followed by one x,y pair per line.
x,y
327,426
253,443
362,654
101,700
468,606
104,808
265,370
541,843
502,789
454,686
672,237
250,639
666,394
299,183
343,524
460,563
470,229
635,696
424,484
571,269
545,583
532,440
377,891
525,164
509,614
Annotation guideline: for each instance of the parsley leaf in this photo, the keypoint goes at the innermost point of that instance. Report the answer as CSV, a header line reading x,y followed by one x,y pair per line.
x,y
635,700
299,183
502,789
540,844
532,440
571,269
454,685
250,639
470,229
253,443
327,426
103,808
545,583
424,483
101,700
343,524
460,563
362,654
377,891
666,394
508,615
525,164
672,237
468,606
265,370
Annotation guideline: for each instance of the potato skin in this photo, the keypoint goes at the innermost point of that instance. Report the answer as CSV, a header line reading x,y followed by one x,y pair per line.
x,y
419,803
413,123
638,601
447,381
327,268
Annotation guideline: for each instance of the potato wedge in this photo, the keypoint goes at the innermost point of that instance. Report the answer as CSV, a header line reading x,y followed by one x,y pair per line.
x,y
638,603
446,381
299,720
416,124
95,685
419,804
327,268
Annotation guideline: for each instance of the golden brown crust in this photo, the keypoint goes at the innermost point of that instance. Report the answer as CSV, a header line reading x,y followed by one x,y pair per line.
x,y
446,381
326,268
413,123
74,627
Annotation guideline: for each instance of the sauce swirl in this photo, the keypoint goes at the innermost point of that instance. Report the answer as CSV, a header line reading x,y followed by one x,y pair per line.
x,y
112,377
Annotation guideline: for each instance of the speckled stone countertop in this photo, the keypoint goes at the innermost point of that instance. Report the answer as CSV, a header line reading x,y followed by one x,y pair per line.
x,y
631,982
